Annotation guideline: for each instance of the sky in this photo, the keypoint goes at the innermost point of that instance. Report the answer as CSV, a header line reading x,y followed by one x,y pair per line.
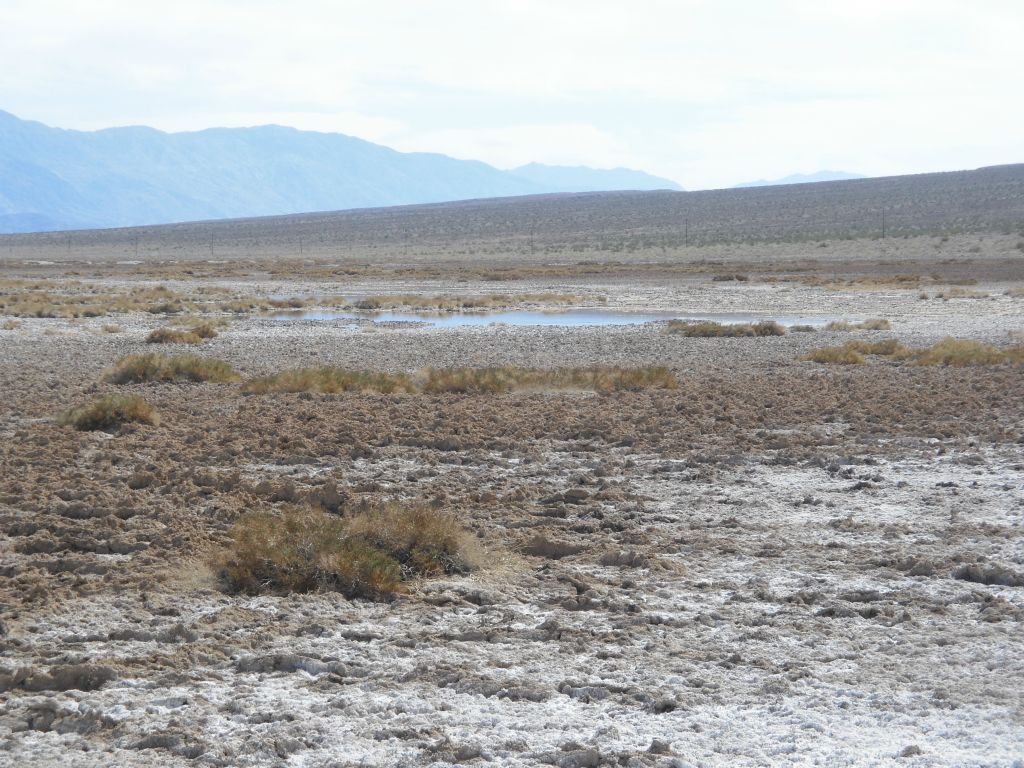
x,y
709,93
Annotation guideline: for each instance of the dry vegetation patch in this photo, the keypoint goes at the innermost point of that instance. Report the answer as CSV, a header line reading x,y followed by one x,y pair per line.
x,y
153,366
451,303
953,352
369,555
708,329
196,334
492,380
871,324
110,412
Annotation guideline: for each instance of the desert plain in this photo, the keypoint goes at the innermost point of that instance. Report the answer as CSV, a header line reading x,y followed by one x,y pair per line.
x,y
759,560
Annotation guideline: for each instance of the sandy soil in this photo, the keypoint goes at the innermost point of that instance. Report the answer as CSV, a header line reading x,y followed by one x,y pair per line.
x,y
777,563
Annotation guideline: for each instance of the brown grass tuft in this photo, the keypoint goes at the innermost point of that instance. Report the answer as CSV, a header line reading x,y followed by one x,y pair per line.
x,y
708,329
10,325
330,380
961,353
370,555
110,412
835,356
464,380
157,367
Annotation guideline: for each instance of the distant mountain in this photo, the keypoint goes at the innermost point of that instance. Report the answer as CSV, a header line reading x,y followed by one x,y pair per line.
x,y
803,178
582,179
52,178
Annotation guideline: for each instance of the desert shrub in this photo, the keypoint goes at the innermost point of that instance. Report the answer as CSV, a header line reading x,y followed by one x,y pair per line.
x,y
960,353
110,412
835,356
330,380
709,329
112,328
10,325
729,277
802,329
156,367
369,555
424,541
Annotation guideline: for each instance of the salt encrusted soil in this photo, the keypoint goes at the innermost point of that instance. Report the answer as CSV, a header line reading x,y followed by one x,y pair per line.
x,y
777,563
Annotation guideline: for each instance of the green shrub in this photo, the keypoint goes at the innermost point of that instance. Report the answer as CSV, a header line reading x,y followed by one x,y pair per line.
x,y
110,412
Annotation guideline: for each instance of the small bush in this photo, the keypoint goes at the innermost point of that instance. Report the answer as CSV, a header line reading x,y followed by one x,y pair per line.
x,y
10,325
156,367
802,329
370,555
112,328
835,356
709,329
110,412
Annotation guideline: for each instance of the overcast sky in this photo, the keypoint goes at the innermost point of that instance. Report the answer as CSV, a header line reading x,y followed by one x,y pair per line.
x,y
706,92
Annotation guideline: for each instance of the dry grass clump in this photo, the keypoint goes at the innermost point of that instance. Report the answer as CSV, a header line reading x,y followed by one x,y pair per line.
x,y
1014,293
949,351
196,334
330,380
156,367
464,380
110,412
802,329
884,348
962,353
370,555
871,324
112,328
835,356
708,329
509,378
729,277
10,325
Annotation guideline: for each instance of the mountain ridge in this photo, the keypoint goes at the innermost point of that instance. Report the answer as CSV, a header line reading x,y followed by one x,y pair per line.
x,y
138,175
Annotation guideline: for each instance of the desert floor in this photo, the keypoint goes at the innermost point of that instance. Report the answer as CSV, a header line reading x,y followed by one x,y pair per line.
x,y
778,562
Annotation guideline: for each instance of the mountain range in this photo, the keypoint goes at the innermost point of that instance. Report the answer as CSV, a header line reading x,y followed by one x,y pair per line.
x,y
51,178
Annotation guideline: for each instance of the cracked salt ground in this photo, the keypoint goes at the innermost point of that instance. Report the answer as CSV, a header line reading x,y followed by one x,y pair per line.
x,y
777,563
701,658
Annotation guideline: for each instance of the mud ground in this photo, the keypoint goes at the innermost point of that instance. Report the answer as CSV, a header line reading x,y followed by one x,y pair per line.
x,y
779,563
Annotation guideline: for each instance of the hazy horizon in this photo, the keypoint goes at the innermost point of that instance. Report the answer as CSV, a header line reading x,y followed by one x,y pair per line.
x,y
706,94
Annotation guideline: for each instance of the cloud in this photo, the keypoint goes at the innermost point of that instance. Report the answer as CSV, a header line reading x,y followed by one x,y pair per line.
x,y
707,92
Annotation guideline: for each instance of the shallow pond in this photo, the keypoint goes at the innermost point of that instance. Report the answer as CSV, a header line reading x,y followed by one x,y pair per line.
x,y
571,317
